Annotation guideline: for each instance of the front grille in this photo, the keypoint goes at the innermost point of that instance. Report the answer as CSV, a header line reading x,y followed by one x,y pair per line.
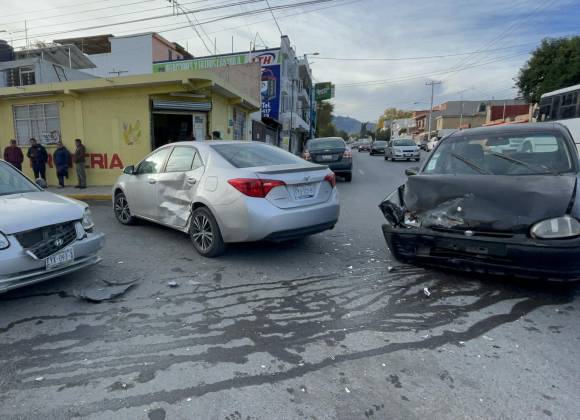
x,y
475,232
47,240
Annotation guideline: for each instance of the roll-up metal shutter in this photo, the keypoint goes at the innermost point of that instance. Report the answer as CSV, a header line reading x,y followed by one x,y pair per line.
x,y
181,106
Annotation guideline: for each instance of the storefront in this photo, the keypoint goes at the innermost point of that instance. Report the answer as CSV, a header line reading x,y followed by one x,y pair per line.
x,y
122,119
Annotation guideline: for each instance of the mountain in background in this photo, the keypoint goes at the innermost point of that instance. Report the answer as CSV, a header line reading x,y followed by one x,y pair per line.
x,y
350,125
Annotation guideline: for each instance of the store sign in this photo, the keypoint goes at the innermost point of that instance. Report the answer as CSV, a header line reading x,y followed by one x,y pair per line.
x,y
270,61
323,91
98,161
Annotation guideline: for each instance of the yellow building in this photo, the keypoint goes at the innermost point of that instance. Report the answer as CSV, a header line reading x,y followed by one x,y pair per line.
x,y
122,119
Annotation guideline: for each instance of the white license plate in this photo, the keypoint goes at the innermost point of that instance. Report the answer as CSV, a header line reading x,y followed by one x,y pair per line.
x,y
327,157
61,259
303,191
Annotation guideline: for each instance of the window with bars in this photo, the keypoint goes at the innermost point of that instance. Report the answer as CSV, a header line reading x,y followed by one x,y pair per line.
x,y
239,124
39,121
20,76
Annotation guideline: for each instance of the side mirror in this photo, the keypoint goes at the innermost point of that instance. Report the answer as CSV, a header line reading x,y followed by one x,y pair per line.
x,y
411,171
129,170
41,183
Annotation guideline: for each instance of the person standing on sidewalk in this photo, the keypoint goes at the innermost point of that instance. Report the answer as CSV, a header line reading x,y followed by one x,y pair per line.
x,y
13,155
80,157
61,158
38,158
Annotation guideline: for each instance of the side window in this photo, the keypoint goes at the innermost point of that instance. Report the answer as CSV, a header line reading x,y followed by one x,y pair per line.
x,y
197,162
153,164
181,159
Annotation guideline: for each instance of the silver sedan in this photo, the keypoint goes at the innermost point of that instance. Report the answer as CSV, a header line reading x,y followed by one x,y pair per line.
x,y
224,191
42,235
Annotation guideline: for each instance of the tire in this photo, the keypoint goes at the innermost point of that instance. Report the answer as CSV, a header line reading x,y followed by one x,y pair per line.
x,y
205,233
348,177
122,210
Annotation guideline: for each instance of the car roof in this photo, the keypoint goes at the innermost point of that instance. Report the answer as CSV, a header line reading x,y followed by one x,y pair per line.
x,y
510,129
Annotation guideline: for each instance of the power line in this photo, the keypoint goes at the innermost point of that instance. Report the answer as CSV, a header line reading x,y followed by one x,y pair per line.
x,y
178,6
274,17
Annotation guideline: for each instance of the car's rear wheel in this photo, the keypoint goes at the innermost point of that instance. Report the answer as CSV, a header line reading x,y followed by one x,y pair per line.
x,y
122,210
205,233
386,158
348,177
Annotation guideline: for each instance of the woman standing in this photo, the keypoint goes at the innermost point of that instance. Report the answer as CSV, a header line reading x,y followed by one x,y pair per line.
x,y
61,159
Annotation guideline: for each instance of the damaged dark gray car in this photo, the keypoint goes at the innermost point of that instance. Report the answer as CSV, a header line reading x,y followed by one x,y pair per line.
x,y
497,200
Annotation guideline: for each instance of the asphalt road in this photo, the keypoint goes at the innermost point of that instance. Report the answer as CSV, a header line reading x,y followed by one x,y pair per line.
x,y
313,329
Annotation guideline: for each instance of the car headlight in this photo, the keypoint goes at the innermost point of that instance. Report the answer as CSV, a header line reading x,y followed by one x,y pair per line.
x,y
558,228
3,242
410,220
87,221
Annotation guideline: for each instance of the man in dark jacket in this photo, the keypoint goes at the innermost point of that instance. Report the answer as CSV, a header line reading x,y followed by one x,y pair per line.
x,y
61,159
13,155
80,157
38,158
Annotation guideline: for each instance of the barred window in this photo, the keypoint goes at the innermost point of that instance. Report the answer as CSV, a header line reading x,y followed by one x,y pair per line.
x,y
39,121
239,124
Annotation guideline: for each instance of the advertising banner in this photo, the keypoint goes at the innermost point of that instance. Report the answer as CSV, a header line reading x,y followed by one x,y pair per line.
x,y
271,92
323,91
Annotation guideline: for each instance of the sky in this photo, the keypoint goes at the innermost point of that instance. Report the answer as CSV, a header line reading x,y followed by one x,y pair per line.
x,y
475,48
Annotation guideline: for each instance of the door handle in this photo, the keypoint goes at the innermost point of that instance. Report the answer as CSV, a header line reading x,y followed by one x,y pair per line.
x,y
191,180
152,181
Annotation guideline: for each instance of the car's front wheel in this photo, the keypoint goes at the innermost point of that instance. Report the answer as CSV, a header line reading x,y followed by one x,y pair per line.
x,y
122,210
205,233
348,177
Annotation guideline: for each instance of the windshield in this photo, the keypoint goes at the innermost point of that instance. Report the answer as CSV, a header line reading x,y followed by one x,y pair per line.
x,y
405,142
328,143
13,182
380,143
525,154
252,155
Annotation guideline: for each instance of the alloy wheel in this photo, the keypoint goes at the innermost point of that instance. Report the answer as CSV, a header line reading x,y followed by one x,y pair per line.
x,y
122,209
201,232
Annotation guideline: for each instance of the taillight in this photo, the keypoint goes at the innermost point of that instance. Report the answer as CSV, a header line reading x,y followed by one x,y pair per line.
x,y
306,156
347,154
255,187
331,178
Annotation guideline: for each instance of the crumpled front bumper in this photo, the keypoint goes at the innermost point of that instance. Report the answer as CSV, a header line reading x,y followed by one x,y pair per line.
x,y
517,256
18,269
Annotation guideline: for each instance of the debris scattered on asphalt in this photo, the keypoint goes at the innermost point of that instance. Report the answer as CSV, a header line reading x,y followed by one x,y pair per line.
x,y
172,284
263,366
347,390
485,337
188,400
100,294
426,292
40,378
303,388
390,268
384,364
350,267
119,262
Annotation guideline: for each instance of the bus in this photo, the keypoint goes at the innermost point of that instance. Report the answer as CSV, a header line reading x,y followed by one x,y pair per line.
x,y
562,106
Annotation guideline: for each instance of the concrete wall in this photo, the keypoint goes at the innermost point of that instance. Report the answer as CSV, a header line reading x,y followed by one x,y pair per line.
x,y
453,122
246,77
134,55
161,51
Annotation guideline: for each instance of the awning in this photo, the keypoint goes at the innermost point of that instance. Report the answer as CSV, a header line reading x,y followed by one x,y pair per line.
x,y
181,106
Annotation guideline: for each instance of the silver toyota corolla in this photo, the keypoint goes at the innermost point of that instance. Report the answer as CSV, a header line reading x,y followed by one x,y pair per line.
x,y
227,191
42,235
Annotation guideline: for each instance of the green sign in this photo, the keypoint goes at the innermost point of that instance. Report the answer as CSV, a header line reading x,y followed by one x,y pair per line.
x,y
323,91
201,63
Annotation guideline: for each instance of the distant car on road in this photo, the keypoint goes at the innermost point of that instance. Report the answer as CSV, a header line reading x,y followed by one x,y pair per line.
x,y
378,147
364,146
477,205
333,152
228,191
431,144
402,149
42,235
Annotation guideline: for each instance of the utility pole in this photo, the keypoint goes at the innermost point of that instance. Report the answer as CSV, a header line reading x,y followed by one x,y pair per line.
x,y
432,83
291,115
461,115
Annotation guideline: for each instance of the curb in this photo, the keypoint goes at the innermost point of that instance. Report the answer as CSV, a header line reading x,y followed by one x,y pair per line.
x,y
90,197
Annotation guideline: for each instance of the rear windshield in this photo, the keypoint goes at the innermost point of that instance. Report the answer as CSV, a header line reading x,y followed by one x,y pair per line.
x,y
380,143
252,154
502,154
330,143
406,142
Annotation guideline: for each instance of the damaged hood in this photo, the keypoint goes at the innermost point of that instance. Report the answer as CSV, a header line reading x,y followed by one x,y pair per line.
x,y
488,203
22,212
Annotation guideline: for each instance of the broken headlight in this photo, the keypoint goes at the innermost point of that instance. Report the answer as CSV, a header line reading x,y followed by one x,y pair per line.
x,y
410,220
87,221
558,228
3,242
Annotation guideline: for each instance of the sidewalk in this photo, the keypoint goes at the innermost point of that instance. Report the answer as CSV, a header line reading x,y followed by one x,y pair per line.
x,y
89,193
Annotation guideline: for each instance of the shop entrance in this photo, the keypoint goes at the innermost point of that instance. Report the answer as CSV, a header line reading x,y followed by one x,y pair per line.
x,y
170,127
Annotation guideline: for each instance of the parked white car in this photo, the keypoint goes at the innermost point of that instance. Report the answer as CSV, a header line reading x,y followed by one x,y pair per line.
x,y
228,191
432,144
42,235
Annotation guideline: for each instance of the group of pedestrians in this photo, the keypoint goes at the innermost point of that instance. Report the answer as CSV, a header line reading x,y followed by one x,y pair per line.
x,y
63,160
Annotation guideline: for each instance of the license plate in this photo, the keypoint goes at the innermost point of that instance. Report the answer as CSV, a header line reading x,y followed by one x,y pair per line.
x,y
327,157
61,259
303,191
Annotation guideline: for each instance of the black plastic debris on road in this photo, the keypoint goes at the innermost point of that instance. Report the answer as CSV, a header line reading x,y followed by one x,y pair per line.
x,y
108,292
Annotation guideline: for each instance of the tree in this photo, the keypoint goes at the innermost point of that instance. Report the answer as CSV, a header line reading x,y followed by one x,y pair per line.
x,y
324,126
343,134
555,64
384,134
